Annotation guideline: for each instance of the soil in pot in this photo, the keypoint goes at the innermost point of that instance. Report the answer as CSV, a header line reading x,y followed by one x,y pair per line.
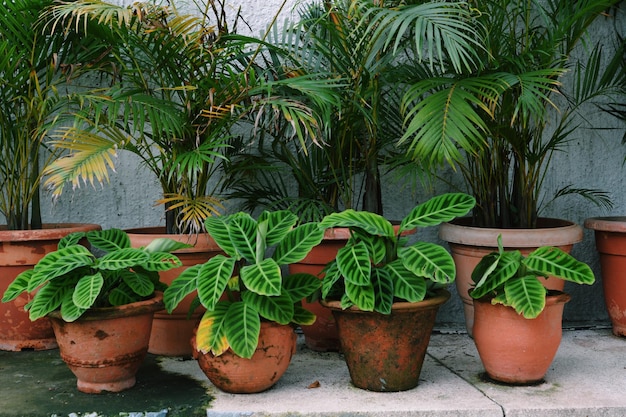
x,y
515,350
386,352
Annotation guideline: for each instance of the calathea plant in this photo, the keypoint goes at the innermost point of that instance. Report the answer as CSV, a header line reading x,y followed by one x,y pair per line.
x,y
246,285
73,279
379,265
511,279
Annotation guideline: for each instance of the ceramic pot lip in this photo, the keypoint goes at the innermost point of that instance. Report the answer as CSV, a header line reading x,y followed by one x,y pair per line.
x,y
127,310
433,302
49,231
607,224
552,232
553,297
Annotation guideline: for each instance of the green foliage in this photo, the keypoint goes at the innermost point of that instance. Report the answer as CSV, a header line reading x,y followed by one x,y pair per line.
x,y
378,265
74,280
509,278
247,285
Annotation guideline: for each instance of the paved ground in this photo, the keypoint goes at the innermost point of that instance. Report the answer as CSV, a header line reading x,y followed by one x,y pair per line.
x,y
587,378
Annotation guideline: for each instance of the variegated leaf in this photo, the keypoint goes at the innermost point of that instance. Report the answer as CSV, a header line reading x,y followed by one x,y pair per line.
x,y
429,260
302,316
383,291
69,311
164,244
354,264
278,224
372,223
406,285
210,336
263,278
377,246
361,295
437,210
182,286
297,243
71,239
47,299
87,290
212,279
18,286
331,277
551,261
139,283
526,295
300,286
58,263
493,271
242,326
109,240
122,295
242,230
162,261
278,308
217,227
122,258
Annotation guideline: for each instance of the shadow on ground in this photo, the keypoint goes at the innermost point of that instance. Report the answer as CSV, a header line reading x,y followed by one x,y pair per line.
x,y
42,385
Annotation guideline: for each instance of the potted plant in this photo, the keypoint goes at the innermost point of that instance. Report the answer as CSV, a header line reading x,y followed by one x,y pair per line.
x,y
517,327
246,338
36,60
100,307
503,123
183,86
385,291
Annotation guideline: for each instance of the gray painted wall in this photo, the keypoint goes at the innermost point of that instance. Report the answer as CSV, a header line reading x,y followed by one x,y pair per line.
x,y
594,160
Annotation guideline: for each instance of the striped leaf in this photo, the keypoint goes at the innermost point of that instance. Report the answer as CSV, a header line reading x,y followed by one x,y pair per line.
x,y
383,291
217,227
264,277
371,223
18,286
493,271
331,277
163,244
47,299
354,264
406,285
182,286
210,336
242,230
278,224
242,326
376,246
302,316
297,243
161,261
69,311
526,295
551,261
361,296
212,279
109,240
437,210
71,239
87,290
122,295
429,260
300,286
138,283
59,263
122,258
277,308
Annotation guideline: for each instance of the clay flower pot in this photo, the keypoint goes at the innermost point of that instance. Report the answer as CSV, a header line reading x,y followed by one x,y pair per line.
x,y
105,347
470,244
234,374
21,250
513,349
610,234
386,352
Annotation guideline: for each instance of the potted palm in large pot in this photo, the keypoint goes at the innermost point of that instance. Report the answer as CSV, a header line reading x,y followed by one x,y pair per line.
x,y
101,307
245,340
32,65
384,291
178,116
499,141
517,328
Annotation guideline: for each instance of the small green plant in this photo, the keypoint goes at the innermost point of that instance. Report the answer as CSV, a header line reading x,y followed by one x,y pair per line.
x,y
246,285
74,279
378,265
511,279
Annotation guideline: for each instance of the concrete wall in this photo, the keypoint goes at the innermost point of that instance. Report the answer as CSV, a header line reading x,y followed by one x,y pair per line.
x,y
594,160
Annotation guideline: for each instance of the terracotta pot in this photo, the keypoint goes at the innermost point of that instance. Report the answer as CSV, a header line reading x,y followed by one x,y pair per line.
x,y
21,250
610,234
515,350
171,333
106,346
234,374
321,336
386,352
470,244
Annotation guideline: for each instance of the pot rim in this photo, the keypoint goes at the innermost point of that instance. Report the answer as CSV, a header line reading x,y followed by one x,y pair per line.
x,y
553,297
428,303
607,224
127,310
49,231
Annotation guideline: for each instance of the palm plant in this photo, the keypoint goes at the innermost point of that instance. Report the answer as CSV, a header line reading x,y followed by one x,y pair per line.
x,y
494,123
181,83
369,47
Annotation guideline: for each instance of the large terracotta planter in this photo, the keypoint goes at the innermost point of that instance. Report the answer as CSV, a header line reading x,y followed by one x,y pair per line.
x,y
610,234
21,250
234,374
171,333
386,352
106,346
513,349
470,244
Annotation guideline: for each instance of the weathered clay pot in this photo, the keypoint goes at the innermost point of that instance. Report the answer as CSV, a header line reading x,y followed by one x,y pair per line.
x,y
21,250
470,244
610,234
106,346
234,374
513,349
171,333
386,352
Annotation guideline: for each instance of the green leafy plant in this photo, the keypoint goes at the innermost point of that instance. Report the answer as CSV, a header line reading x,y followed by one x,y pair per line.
x,y
247,285
73,279
511,279
379,265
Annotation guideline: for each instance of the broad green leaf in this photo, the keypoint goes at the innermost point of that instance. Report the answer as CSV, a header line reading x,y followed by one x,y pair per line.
x,y
383,291
87,290
263,278
278,308
122,258
182,286
212,279
372,223
300,286
210,336
551,261
354,264
297,243
332,275
437,210
429,260
139,283
406,285
71,239
302,316
59,263
122,295
494,270
164,244
278,224
217,227
47,299
69,311
242,230
526,295
18,286
377,246
162,261
109,240
242,326
361,295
